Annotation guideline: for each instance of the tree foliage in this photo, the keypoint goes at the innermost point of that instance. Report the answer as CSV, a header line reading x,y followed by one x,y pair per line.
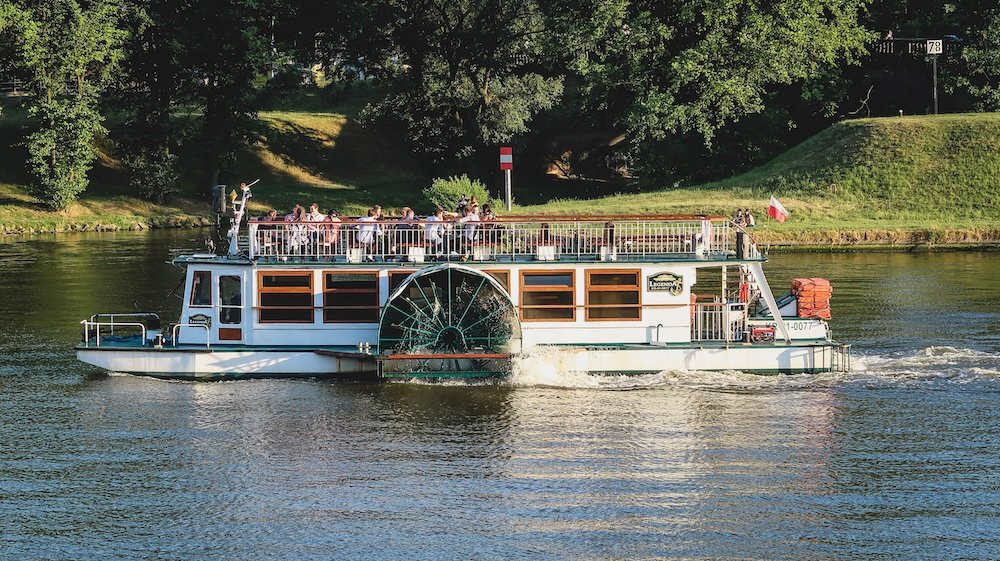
x,y
69,49
981,63
686,89
668,68
459,71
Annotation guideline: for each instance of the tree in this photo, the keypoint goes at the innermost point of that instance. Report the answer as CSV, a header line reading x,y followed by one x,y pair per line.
x,y
69,50
980,72
151,135
227,48
461,73
661,69
9,14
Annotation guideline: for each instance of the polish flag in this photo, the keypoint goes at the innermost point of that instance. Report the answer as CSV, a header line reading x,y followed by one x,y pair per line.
x,y
776,210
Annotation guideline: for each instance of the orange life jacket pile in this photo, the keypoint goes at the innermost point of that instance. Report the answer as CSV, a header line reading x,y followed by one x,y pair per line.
x,y
813,297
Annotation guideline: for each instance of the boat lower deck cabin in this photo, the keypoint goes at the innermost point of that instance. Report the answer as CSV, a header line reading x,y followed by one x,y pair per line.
x,y
614,294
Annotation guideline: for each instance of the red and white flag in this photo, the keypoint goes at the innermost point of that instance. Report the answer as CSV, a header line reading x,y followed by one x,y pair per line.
x,y
776,210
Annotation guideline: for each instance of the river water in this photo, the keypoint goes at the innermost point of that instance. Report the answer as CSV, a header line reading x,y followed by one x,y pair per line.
x,y
898,459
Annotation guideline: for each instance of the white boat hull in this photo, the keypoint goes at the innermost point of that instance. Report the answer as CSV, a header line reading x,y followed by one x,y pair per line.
x,y
761,359
213,364
636,359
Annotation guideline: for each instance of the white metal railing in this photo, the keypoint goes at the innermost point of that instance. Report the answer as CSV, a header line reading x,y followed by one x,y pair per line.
x,y
541,238
177,327
719,322
97,323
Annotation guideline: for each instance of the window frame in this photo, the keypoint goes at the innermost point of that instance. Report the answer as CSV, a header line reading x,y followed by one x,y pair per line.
x,y
262,290
590,288
524,288
223,306
403,273
505,285
377,291
194,276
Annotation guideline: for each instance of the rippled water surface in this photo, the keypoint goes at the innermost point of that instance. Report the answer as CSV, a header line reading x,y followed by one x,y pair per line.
x,y
898,459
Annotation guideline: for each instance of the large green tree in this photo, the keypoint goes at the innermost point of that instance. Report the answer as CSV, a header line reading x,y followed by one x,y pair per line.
x,y
662,69
227,50
68,49
206,60
461,74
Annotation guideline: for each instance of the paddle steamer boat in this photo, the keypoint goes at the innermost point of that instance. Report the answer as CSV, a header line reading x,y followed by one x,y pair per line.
x,y
602,294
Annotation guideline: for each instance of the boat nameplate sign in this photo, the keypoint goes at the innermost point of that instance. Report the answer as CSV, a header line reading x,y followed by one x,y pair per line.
x,y
200,319
665,282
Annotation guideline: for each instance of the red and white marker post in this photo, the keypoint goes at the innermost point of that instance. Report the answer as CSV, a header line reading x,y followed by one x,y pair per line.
x,y
506,165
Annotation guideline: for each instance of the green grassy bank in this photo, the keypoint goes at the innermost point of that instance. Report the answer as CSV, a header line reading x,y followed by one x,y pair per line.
x,y
896,182
930,180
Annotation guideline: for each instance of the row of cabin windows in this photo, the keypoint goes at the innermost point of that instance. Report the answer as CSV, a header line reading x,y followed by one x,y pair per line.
x,y
347,298
611,295
352,297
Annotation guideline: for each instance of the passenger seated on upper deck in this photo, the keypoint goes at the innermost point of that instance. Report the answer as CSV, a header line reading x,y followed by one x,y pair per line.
x,y
295,234
407,230
467,230
489,229
487,215
293,216
367,231
749,219
271,216
434,232
461,204
314,215
333,230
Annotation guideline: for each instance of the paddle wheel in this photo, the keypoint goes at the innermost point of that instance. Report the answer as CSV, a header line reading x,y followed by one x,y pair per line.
x,y
448,319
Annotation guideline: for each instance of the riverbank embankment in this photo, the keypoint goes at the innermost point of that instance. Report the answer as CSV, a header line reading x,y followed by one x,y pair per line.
x,y
894,183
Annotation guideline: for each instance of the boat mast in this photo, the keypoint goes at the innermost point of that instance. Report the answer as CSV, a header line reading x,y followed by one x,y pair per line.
x,y
765,292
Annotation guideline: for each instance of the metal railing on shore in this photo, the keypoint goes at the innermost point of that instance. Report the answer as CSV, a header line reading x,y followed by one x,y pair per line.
x,y
606,238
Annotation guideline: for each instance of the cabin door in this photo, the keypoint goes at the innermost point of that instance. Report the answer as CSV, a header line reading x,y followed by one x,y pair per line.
x,y
231,309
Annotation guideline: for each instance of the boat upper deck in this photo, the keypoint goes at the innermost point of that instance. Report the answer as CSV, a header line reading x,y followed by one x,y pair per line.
x,y
517,239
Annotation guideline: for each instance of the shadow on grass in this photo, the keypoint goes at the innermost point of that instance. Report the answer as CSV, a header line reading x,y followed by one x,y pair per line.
x,y
349,170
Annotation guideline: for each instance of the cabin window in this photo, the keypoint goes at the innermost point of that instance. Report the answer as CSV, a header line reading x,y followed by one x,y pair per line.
x,y
350,297
285,297
201,288
396,278
547,296
230,300
613,295
502,277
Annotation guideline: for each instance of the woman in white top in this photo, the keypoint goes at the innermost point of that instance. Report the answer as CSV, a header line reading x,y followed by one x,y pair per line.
x,y
434,232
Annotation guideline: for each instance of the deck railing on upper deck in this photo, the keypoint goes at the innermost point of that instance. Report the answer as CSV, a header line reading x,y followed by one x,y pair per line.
x,y
604,238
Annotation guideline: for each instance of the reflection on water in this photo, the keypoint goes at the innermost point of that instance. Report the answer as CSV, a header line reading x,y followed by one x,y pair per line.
x,y
894,460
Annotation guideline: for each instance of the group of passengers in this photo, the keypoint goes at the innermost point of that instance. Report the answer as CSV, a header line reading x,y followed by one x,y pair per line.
x,y
439,233
744,217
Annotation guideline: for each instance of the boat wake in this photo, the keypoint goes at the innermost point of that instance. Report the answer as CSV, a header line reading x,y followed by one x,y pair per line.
x,y
938,363
549,368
